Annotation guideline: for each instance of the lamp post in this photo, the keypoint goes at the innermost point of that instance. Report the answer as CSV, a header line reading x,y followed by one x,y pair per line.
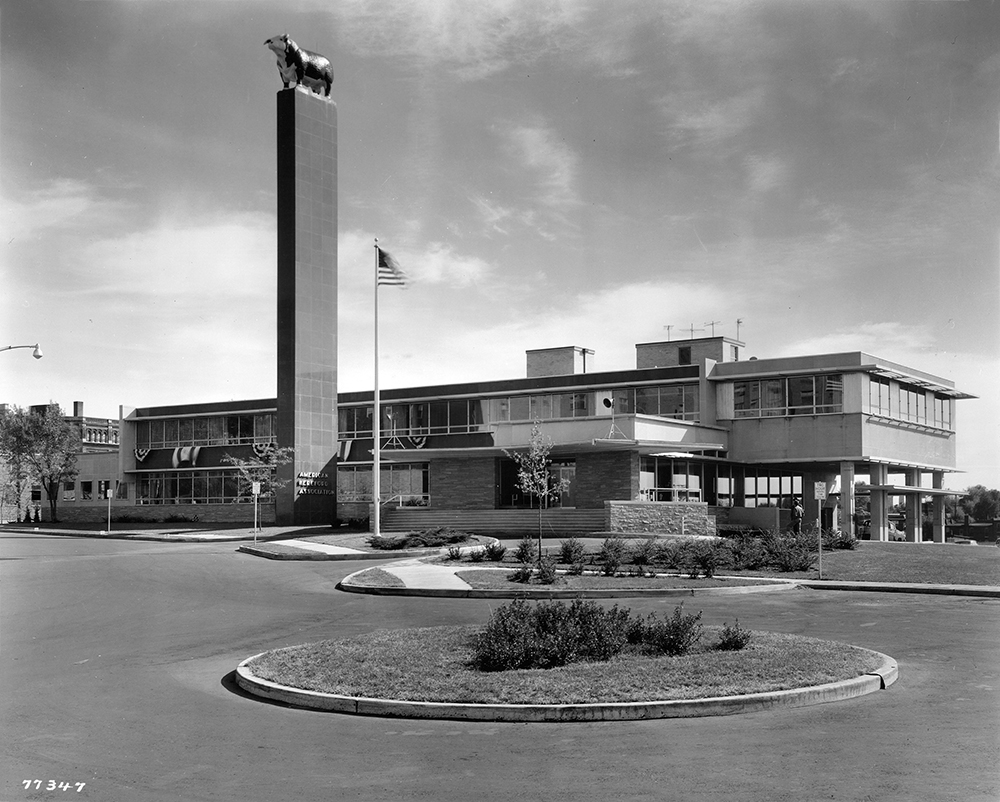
x,y
36,353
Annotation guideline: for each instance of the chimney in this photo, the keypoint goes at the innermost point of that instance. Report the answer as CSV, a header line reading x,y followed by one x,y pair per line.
x,y
78,409
559,361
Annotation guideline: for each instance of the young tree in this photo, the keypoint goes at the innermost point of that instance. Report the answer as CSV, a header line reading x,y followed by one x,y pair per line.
x,y
40,445
261,468
533,477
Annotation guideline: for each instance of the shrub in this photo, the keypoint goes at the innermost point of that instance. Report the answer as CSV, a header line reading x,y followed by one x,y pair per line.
x,y
495,551
178,518
748,552
673,636
614,551
707,555
835,539
525,551
576,569
426,538
571,551
549,634
733,638
454,552
792,556
670,554
477,555
644,552
388,542
547,571
520,574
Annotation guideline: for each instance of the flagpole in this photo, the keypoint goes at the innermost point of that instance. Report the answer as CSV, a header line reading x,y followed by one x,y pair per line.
x,y
376,420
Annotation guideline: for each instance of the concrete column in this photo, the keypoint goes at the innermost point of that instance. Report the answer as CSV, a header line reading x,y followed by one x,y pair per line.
x,y
879,513
914,525
939,525
847,498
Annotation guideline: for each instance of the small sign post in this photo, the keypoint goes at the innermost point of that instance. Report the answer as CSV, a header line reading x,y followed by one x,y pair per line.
x,y
819,490
255,487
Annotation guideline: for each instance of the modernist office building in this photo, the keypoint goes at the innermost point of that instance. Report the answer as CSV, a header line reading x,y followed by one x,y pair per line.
x,y
692,429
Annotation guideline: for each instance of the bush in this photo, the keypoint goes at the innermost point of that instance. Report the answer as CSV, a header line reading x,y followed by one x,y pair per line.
x,y
549,634
707,555
789,556
673,636
520,574
576,569
178,518
733,638
525,551
671,554
547,571
614,551
426,538
748,552
454,552
835,539
571,551
644,552
477,555
495,551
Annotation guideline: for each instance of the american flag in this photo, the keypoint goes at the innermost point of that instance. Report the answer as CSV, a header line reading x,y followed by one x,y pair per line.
x,y
389,271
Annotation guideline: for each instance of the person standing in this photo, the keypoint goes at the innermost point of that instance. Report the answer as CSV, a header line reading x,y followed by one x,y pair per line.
x,y
797,513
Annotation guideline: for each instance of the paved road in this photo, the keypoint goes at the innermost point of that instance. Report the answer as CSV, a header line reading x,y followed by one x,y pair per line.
x,y
115,660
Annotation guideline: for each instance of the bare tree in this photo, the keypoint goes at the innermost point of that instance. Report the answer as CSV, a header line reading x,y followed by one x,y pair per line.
x,y
533,476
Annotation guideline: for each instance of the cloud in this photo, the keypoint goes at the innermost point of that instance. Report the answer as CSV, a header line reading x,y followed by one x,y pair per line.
x,y
552,168
473,40
63,204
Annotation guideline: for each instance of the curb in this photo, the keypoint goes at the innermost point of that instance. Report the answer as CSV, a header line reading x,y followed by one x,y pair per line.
x,y
879,679
982,591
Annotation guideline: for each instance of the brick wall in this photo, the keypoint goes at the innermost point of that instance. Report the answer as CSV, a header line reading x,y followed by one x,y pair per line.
x,y
205,513
669,518
463,484
605,477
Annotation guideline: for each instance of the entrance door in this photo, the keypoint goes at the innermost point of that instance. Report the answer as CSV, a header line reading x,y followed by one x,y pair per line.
x,y
563,473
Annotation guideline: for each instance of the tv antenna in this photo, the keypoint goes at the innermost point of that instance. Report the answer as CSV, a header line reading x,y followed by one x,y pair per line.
x,y
668,328
713,324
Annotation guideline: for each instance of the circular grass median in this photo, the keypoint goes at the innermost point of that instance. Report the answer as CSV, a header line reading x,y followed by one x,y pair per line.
x,y
427,673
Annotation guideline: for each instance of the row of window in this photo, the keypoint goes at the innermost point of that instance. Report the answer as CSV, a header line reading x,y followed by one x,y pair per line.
x,y
673,479
911,404
795,395
196,487
87,488
93,434
218,430
405,482
475,415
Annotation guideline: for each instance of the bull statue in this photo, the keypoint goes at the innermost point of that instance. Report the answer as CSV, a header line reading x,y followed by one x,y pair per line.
x,y
301,66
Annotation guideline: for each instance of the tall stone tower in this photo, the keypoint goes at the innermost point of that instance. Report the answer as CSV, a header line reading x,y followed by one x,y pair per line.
x,y
307,306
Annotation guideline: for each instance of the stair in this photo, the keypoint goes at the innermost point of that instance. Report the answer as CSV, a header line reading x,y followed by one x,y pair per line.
x,y
498,523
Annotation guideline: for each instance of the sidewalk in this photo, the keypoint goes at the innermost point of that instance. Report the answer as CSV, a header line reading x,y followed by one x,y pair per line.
x,y
176,533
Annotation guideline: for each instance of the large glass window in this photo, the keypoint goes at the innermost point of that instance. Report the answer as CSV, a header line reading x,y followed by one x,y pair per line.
x,y
796,395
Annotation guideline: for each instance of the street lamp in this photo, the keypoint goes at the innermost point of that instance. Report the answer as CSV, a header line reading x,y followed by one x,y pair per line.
x,y
36,353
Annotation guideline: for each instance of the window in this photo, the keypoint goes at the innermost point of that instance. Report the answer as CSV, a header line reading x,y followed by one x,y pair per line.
x,y
87,490
684,355
69,491
405,483
796,395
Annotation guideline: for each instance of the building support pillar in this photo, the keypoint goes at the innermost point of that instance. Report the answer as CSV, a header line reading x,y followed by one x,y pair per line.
x,y
847,499
878,475
914,524
938,523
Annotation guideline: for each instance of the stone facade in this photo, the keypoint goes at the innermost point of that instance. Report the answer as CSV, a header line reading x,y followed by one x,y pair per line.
x,y
669,518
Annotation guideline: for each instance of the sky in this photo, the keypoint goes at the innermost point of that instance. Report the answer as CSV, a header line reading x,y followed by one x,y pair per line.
x,y
547,172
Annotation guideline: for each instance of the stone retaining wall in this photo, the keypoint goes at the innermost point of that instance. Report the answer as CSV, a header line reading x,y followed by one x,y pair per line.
x,y
667,517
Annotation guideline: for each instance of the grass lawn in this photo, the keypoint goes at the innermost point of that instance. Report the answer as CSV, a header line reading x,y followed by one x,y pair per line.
x,y
930,563
432,664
